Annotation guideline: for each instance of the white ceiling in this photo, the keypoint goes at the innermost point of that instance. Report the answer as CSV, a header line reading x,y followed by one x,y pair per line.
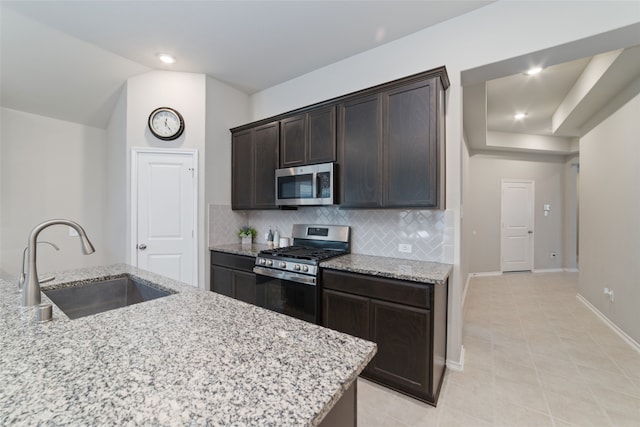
x,y
538,95
68,59
581,84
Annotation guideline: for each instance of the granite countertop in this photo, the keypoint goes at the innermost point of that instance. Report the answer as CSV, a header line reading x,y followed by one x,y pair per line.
x,y
240,249
394,268
191,358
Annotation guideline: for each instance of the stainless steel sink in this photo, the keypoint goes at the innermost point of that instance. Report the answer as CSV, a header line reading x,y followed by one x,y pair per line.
x,y
96,297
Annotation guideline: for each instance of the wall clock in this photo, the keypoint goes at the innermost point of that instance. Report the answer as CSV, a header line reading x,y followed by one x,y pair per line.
x,y
166,123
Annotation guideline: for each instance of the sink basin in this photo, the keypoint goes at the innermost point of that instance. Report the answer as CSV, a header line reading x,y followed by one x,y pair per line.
x,y
103,295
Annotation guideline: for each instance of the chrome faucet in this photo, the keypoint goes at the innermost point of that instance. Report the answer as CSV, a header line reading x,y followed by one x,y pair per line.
x,y
31,286
23,275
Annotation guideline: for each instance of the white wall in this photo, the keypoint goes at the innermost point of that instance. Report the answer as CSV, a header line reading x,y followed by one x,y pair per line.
x,y
2,273
496,32
570,225
609,217
116,219
465,219
51,169
226,108
186,92
483,207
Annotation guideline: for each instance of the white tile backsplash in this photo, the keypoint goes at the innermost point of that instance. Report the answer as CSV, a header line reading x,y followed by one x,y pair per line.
x,y
373,232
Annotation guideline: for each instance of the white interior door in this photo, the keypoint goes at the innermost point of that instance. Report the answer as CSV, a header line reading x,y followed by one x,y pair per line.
x,y
517,225
165,224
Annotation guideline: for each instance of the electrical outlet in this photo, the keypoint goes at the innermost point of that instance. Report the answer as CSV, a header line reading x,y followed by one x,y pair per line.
x,y
404,247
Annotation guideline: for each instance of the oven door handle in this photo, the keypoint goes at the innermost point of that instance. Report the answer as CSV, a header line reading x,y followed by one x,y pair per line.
x,y
285,275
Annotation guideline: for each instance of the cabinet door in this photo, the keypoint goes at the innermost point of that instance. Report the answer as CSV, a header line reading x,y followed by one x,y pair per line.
x,y
404,351
242,170
266,139
321,147
221,281
244,286
410,146
345,313
294,141
360,152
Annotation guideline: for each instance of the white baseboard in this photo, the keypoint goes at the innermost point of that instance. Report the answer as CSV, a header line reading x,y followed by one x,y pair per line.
x,y
487,273
633,343
547,270
456,365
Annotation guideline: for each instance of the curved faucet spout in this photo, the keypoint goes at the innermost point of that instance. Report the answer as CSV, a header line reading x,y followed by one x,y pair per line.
x,y
31,286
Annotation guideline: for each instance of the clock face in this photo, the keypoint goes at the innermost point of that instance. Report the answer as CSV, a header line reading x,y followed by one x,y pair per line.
x,y
166,123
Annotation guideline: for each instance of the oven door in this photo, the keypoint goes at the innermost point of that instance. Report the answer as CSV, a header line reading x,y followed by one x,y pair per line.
x,y
289,293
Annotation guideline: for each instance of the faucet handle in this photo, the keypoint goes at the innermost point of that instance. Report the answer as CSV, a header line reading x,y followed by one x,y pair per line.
x,y
23,274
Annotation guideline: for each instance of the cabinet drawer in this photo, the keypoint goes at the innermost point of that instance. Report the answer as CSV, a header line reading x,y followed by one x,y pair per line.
x,y
236,262
398,291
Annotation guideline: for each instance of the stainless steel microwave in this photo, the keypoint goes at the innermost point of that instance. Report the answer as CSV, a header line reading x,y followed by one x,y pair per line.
x,y
310,185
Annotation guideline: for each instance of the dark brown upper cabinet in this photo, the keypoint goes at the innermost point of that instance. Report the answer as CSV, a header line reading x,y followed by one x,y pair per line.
x,y
254,158
308,138
391,147
411,145
388,140
360,152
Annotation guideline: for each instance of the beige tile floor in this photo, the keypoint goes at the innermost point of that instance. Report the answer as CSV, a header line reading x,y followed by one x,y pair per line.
x,y
535,356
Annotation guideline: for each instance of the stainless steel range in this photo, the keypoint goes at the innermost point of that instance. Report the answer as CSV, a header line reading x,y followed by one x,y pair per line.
x,y
290,275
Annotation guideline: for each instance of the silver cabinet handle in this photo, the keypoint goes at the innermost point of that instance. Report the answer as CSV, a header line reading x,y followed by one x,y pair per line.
x,y
142,246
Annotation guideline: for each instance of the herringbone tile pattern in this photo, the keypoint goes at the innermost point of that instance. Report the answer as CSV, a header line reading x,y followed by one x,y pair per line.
x,y
374,232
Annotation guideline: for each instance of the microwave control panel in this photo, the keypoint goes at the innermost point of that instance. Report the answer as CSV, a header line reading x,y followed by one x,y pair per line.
x,y
324,185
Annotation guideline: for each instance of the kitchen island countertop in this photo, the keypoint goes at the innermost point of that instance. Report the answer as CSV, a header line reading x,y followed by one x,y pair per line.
x,y
191,358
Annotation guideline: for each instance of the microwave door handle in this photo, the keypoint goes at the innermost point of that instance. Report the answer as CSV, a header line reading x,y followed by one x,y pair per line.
x,y
316,185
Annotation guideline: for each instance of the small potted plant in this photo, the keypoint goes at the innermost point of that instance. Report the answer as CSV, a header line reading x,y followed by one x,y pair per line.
x,y
247,234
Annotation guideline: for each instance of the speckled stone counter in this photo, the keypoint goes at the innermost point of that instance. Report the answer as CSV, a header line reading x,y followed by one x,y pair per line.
x,y
191,358
239,249
394,268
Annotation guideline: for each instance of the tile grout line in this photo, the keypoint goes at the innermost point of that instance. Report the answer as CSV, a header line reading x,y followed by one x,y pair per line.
x,y
535,369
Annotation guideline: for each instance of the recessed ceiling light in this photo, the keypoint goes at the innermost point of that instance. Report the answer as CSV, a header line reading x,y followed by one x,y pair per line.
x,y
519,116
533,71
166,58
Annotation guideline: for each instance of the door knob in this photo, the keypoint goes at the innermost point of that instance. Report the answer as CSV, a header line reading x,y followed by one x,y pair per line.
x,y
142,246
530,232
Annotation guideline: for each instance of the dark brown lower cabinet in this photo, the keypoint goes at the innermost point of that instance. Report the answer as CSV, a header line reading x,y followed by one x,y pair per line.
x,y
403,356
232,275
346,313
406,320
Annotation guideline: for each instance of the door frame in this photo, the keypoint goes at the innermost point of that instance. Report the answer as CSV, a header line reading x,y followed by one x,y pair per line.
x,y
533,220
135,153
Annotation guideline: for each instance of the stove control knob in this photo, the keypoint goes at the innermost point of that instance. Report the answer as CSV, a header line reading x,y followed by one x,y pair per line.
x,y
269,263
262,261
283,264
296,267
305,268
